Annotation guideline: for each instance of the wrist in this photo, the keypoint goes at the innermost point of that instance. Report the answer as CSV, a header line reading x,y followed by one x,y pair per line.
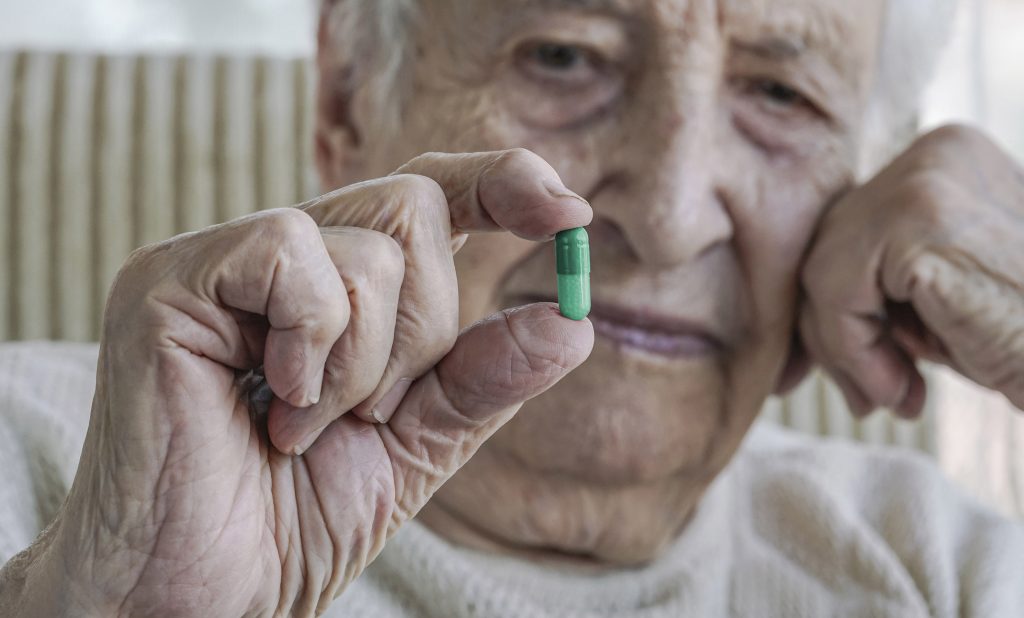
x,y
37,582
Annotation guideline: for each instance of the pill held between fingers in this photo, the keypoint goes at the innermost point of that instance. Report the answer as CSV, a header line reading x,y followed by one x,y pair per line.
x,y
572,265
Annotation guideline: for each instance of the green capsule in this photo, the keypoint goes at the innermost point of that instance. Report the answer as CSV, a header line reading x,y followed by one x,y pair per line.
x,y
572,255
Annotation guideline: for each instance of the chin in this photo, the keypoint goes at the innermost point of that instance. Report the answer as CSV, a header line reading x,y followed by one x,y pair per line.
x,y
624,418
607,466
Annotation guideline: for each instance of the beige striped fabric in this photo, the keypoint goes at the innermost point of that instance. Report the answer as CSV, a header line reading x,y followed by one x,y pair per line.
x,y
102,154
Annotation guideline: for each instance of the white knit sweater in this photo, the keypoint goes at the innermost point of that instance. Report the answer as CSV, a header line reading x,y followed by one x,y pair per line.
x,y
794,527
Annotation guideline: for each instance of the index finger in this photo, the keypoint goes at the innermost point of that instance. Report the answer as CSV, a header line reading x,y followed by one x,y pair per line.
x,y
514,190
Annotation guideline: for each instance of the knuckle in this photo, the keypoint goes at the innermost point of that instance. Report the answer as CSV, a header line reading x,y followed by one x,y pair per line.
x,y
518,161
953,136
145,272
521,157
425,160
415,187
420,198
143,266
334,316
925,192
124,289
288,224
139,259
385,258
439,332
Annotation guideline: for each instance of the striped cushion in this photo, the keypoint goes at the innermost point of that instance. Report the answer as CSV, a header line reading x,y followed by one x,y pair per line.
x,y
99,155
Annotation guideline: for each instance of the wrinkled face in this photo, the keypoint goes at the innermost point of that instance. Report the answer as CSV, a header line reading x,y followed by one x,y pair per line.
x,y
708,136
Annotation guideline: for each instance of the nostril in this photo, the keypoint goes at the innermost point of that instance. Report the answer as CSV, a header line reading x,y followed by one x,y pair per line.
x,y
609,237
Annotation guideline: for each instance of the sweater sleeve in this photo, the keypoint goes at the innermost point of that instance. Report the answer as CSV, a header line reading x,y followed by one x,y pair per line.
x,y
45,397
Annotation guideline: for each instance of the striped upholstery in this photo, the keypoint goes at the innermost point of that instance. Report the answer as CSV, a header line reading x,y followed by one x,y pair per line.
x,y
99,155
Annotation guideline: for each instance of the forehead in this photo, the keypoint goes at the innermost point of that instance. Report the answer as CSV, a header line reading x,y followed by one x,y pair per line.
x,y
836,28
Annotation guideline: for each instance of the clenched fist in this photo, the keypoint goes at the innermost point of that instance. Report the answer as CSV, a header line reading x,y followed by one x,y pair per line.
x,y
926,261
187,503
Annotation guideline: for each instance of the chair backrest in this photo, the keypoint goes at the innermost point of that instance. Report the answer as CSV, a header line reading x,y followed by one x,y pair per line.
x,y
102,154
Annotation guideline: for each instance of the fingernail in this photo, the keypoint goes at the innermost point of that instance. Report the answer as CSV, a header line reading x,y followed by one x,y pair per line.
x,y
563,192
385,408
313,395
306,442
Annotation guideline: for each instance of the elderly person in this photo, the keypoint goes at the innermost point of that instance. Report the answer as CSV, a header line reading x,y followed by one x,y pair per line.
x,y
553,467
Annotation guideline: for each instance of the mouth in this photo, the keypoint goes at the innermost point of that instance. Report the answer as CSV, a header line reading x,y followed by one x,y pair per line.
x,y
650,332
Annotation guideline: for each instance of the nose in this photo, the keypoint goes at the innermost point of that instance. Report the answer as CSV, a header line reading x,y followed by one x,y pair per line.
x,y
666,195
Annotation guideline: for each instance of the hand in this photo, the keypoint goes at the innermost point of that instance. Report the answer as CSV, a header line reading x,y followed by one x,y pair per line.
x,y
926,261
181,506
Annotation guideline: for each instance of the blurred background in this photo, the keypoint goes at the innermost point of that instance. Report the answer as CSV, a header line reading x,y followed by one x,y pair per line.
x,y
133,120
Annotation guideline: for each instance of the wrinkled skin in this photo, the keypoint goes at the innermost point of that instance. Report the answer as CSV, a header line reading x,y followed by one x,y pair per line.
x,y
708,183
708,137
188,502
938,274
710,145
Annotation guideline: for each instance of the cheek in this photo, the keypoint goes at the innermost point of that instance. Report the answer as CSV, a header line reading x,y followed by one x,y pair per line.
x,y
772,238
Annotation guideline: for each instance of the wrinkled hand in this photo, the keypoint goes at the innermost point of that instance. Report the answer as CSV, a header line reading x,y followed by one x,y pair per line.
x,y
926,261
182,507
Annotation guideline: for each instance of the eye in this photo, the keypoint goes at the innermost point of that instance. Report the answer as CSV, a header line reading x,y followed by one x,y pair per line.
x,y
773,115
553,84
560,64
779,95
557,57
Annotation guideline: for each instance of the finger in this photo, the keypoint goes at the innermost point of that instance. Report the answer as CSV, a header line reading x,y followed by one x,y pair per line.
x,y
966,311
413,211
856,401
859,347
495,366
913,403
845,311
513,190
426,206
372,267
274,264
911,334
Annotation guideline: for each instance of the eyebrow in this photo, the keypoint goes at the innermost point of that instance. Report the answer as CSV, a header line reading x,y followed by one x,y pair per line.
x,y
773,48
605,5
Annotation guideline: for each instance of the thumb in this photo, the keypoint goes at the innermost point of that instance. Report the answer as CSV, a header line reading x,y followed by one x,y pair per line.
x,y
495,366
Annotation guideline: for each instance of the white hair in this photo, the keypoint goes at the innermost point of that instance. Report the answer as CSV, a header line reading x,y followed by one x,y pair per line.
x,y
915,32
380,34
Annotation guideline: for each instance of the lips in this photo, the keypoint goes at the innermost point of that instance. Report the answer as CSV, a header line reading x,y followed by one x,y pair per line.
x,y
653,333
648,331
